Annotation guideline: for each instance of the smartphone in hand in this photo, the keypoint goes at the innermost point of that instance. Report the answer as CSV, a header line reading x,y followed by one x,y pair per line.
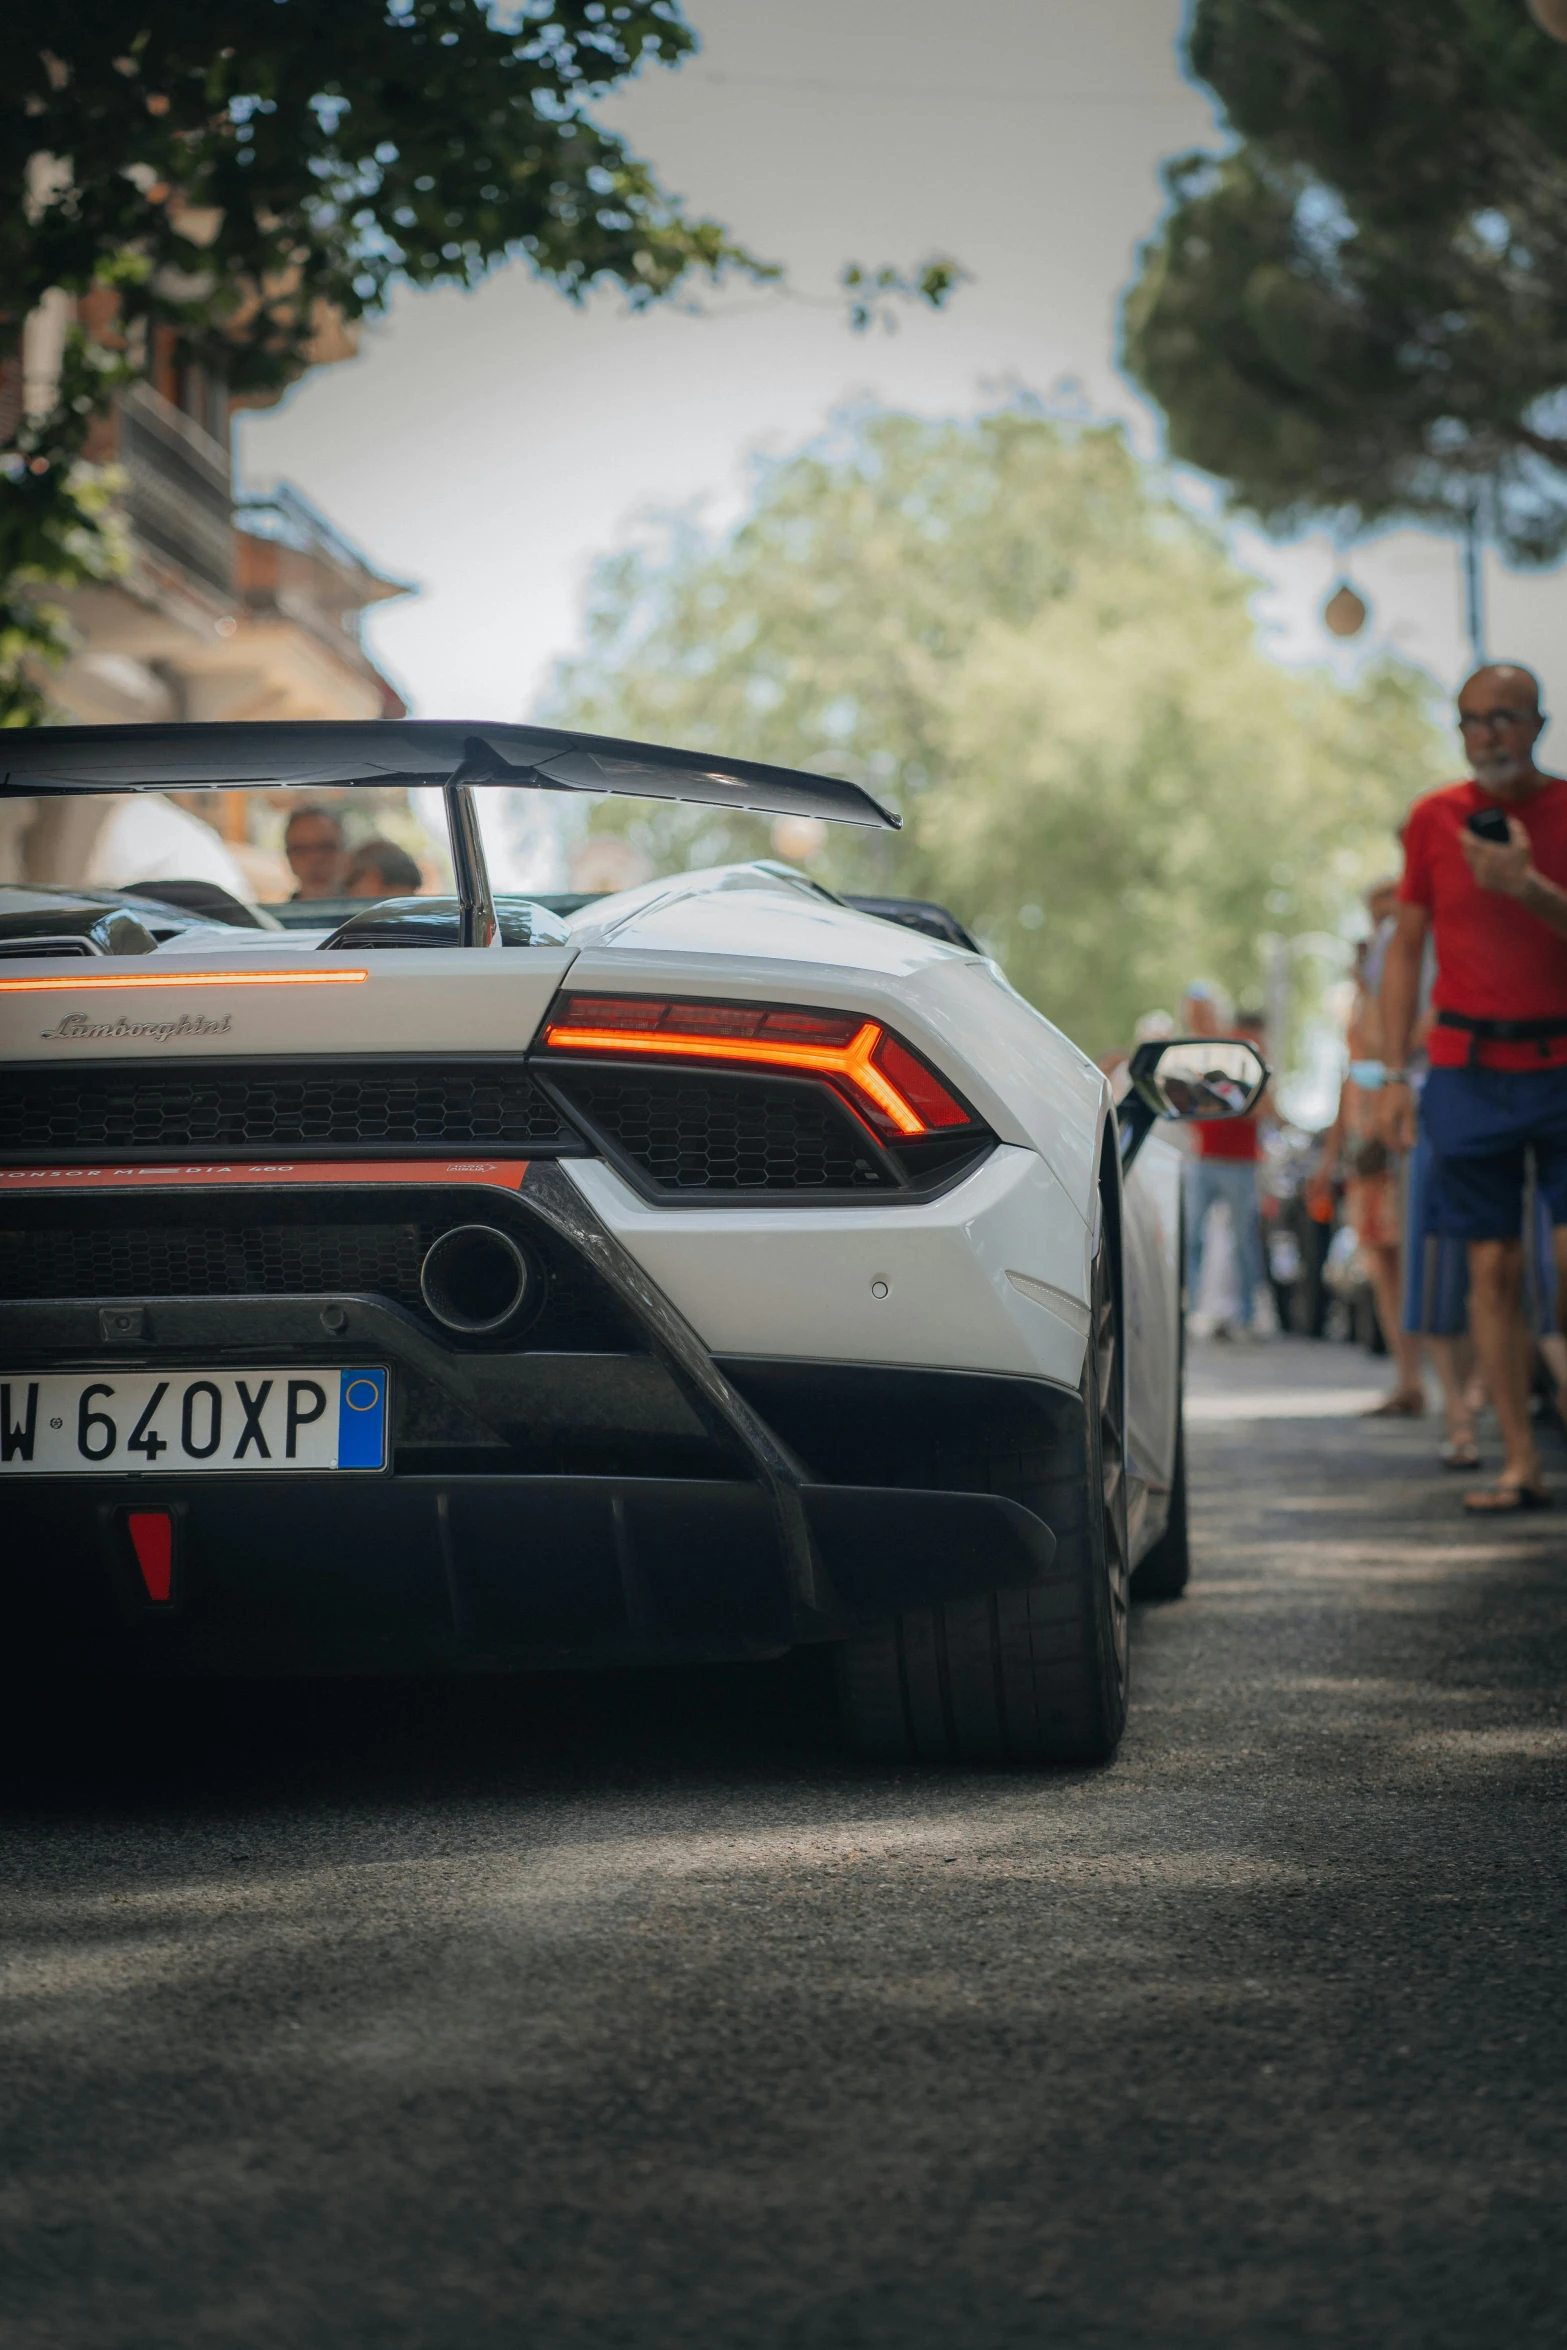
x,y
1489,824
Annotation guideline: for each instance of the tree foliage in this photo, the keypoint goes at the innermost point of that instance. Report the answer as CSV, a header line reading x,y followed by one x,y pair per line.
x,y
58,530
1362,307
1012,631
230,168
237,173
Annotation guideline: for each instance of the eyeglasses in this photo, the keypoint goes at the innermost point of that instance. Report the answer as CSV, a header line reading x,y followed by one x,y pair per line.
x,y
1490,720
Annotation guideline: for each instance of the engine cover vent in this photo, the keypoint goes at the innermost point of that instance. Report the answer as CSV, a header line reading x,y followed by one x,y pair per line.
x,y
691,1132
311,1109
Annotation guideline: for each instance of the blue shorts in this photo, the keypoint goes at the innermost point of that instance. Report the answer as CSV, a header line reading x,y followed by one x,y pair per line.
x,y
1482,1123
1436,1271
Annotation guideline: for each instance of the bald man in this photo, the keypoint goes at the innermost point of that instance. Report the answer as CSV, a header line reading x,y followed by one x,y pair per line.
x,y
1497,1087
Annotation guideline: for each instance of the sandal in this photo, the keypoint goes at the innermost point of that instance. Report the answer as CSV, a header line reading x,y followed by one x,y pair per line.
x,y
1460,1452
1402,1404
1506,1501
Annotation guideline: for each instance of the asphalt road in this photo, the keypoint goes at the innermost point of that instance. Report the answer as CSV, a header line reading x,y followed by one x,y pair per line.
x,y
631,2013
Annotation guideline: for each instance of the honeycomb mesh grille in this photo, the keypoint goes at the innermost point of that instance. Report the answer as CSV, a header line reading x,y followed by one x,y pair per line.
x,y
316,1109
688,1131
211,1260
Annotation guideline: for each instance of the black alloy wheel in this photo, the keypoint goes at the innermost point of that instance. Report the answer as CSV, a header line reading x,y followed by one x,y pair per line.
x,y
1165,1568
1031,1676
1107,1357
1164,1571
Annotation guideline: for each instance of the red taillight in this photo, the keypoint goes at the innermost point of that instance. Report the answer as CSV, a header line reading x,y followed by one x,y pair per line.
x,y
628,1016
919,1086
152,1539
858,1055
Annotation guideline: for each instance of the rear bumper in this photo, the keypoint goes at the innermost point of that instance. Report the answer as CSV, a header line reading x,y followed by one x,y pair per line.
x,y
431,1574
596,1489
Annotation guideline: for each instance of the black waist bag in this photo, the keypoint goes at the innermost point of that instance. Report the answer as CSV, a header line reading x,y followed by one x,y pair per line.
x,y
1544,1033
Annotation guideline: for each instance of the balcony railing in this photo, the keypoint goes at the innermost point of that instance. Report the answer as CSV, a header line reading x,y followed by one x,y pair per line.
x,y
179,500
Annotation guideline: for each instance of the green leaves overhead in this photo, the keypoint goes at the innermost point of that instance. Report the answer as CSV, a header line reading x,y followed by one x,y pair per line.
x,y
1361,308
231,169
58,531
1415,114
248,175
1011,630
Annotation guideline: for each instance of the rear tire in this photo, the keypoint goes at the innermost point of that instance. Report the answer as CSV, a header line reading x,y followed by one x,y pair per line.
x,y
1164,1571
1031,1676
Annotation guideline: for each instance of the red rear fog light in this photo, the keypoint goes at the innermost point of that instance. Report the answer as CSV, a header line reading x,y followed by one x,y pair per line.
x,y
152,1539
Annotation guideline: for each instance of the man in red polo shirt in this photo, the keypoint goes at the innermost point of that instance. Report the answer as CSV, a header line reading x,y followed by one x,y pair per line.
x,y
1497,1088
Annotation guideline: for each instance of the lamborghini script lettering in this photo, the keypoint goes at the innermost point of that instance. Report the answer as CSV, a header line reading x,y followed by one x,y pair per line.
x,y
76,1028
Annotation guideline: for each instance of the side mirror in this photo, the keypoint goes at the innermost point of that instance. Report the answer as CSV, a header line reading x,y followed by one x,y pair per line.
x,y
1189,1077
1199,1076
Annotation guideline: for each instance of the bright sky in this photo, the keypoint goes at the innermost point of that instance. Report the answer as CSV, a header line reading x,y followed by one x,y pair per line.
x,y
488,446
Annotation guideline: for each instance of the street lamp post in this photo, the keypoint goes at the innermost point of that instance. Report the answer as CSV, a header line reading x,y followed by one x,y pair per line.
x,y
1474,559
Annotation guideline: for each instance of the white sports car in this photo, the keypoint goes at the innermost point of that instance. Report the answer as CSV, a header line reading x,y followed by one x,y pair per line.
x,y
459,1287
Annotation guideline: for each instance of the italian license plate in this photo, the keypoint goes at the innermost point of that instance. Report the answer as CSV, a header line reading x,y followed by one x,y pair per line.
x,y
119,1423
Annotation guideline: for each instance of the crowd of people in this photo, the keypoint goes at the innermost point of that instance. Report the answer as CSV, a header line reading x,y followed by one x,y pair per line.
x,y
1447,1155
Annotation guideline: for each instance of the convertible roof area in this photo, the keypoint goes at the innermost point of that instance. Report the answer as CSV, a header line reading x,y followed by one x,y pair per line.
x,y
338,754
453,755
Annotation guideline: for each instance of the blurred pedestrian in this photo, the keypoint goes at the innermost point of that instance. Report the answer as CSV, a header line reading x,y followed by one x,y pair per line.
x,y
1149,1028
1222,1171
1435,1266
1355,1151
318,859
1485,874
380,869
1205,1010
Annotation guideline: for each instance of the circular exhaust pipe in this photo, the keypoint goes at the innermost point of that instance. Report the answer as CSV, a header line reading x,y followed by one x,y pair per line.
x,y
475,1279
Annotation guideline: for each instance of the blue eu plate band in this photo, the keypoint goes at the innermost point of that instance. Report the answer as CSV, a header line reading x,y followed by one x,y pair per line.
x,y
361,1420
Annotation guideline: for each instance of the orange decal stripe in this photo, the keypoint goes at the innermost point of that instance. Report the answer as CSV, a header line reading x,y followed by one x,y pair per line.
x,y
188,979
497,1174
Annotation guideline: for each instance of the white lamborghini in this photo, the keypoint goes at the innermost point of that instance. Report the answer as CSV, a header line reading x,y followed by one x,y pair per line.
x,y
456,1285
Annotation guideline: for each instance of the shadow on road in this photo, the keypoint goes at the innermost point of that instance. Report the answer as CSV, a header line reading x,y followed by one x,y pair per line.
x,y
72,1747
629,2010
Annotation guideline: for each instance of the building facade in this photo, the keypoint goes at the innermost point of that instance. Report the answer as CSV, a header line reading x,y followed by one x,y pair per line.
x,y
234,606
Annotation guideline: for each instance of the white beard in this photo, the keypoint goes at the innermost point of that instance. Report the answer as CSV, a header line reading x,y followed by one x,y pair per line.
x,y
1497,773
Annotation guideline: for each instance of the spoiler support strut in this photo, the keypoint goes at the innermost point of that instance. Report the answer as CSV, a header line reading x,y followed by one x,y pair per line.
x,y
469,871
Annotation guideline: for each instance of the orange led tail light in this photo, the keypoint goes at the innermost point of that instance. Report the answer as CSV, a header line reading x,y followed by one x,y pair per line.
x,y
856,1054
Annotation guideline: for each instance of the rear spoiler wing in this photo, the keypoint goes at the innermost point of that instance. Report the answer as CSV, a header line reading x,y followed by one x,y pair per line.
x,y
418,753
